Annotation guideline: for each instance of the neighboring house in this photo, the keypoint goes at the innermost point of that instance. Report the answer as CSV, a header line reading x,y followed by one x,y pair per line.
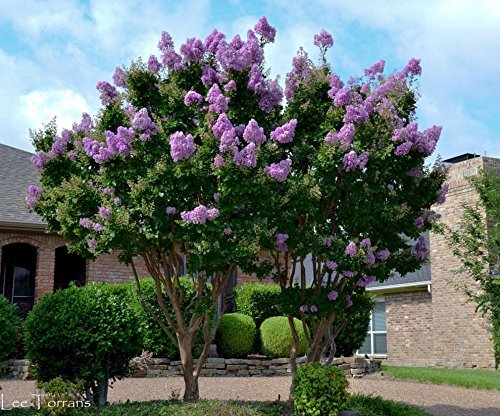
x,y
33,262
423,319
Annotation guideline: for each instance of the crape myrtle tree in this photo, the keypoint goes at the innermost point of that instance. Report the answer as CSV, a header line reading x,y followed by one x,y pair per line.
x,y
353,193
172,163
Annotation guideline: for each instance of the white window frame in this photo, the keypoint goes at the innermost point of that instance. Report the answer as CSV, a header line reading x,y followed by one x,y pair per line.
x,y
372,333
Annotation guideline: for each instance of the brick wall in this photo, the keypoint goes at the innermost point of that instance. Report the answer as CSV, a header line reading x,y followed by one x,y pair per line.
x,y
410,339
105,268
461,336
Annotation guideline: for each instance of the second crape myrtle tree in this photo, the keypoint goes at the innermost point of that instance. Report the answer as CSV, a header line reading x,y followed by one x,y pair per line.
x,y
170,165
354,197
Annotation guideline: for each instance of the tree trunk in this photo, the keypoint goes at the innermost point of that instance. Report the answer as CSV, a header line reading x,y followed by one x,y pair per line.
x,y
191,392
103,391
293,353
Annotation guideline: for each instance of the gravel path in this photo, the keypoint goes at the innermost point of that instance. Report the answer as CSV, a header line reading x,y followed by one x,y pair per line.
x,y
440,400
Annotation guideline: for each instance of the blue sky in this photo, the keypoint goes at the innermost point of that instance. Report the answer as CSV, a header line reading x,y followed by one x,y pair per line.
x,y
52,53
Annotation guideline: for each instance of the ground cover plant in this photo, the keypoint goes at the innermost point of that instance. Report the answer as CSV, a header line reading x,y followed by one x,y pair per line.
x,y
472,378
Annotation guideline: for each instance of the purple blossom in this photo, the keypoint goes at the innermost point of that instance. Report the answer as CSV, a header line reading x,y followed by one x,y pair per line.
x,y
333,295
346,135
171,210
419,222
365,89
279,171
92,244
120,77
192,97
376,68
208,76
153,64
323,40
85,125
429,140
304,308
229,141
108,191
119,143
355,114
413,67
270,96
143,122
193,50
165,42
419,250
369,259
365,243
403,149
264,29
350,161
105,213
97,227
199,215
369,279
285,133
218,102
255,80
281,242
301,68
39,160
213,41
335,85
181,146
221,125
442,194
348,301
228,230
347,273
230,86
32,196
415,172
172,60
117,200
108,92
343,97
390,187
351,249
85,223
363,160
383,255
219,161
217,196
313,309
246,156
330,264
327,241
253,133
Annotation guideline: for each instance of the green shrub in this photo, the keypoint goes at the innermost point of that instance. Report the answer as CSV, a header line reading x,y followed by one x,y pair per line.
x,y
155,339
87,333
9,327
276,337
353,335
235,335
60,397
257,300
319,390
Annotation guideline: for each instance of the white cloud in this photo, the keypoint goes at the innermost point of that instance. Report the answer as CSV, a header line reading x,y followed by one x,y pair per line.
x,y
39,107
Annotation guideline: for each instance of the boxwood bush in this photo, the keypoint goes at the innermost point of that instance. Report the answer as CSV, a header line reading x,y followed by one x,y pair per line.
x,y
276,337
319,390
257,300
155,339
9,327
87,333
235,335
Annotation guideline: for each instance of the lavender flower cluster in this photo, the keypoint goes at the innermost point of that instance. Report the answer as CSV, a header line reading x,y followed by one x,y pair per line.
x,y
279,171
199,215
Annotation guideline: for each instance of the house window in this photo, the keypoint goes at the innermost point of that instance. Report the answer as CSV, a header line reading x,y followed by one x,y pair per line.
x,y
376,338
69,267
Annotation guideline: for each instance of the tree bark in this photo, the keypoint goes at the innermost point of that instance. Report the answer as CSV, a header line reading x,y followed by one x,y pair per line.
x,y
191,388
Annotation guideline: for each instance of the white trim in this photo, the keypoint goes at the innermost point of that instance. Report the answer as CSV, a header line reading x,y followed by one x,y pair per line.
x,y
400,286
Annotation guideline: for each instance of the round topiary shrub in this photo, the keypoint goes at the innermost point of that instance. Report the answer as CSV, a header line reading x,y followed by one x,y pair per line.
x,y
235,335
319,390
9,327
258,300
87,333
276,337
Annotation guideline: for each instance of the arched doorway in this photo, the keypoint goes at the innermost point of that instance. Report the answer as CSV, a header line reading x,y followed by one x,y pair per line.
x,y
69,268
17,277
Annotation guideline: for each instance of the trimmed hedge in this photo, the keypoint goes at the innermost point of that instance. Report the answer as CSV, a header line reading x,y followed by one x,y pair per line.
x,y
276,337
87,333
257,300
9,327
319,390
155,339
236,335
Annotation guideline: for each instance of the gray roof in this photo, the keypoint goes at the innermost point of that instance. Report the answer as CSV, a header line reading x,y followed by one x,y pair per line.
x,y
16,174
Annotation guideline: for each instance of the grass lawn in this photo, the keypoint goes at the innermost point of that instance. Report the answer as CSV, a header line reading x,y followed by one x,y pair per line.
x,y
480,379
367,406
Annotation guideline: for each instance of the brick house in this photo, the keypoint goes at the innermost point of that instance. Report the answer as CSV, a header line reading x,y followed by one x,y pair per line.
x,y
422,319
